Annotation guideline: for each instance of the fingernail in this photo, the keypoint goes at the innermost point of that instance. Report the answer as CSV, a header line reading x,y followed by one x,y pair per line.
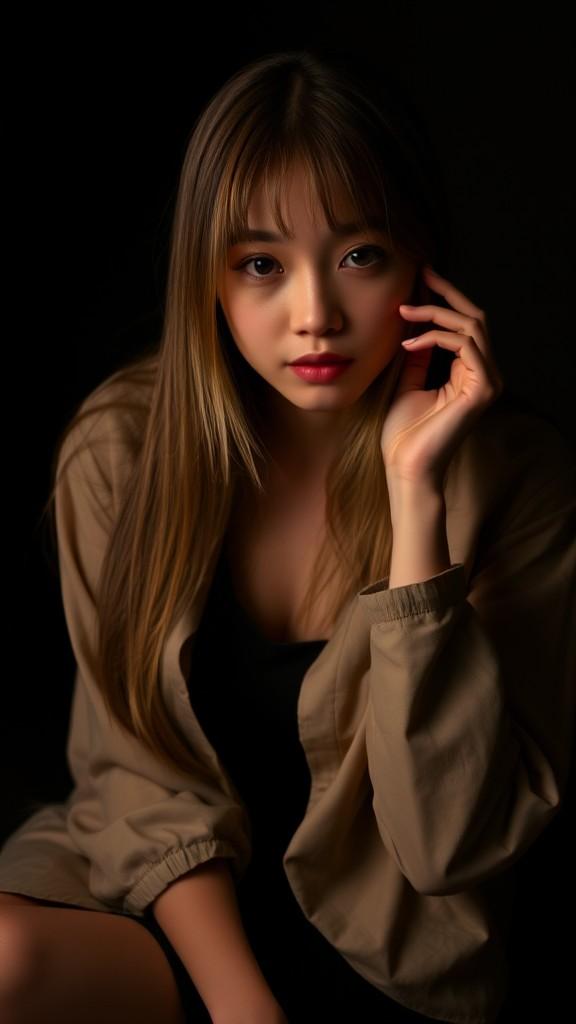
x,y
408,341
404,305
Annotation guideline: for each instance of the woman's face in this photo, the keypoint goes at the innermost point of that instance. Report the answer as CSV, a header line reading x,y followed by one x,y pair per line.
x,y
319,292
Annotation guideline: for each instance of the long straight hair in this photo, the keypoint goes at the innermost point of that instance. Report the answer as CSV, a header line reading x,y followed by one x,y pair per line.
x,y
195,403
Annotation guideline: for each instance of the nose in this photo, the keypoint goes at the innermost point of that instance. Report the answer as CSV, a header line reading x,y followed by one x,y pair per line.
x,y
315,307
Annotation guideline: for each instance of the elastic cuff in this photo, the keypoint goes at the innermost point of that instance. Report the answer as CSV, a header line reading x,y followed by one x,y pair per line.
x,y
433,595
174,864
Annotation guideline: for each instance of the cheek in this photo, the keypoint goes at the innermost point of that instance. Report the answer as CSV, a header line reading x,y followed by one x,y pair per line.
x,y
382,297
253,323
243,310
380,316
252,334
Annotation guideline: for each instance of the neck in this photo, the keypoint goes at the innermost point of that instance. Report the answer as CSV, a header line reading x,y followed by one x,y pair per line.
x,y
303,443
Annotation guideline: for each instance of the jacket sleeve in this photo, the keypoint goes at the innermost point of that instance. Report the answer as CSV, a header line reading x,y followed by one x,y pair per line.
x,y
470,714
139,824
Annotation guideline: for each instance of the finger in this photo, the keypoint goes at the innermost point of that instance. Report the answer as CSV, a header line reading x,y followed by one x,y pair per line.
x,y
452,294
464,325
491,367
414,371
465,348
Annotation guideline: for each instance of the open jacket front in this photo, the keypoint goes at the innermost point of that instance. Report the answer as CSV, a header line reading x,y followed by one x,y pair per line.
x,y
437,724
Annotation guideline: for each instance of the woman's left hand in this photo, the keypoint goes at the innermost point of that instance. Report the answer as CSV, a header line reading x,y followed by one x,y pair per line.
x,y
423,428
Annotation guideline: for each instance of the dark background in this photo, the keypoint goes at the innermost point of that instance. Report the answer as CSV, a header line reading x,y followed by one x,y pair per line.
x,y
101,116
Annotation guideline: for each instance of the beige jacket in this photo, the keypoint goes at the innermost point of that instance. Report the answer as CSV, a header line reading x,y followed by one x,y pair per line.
x,y
437,724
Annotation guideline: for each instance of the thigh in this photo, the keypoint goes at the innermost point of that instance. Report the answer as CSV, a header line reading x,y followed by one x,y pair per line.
x,y
68,964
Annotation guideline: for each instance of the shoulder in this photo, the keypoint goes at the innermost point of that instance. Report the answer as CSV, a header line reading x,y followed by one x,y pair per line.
x,y
515,461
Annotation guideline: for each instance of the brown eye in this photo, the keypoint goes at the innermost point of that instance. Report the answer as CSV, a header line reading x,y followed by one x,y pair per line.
x,y
380,254
256,260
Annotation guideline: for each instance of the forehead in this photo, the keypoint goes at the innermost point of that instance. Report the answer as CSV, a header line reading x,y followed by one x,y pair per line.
x,y
294,194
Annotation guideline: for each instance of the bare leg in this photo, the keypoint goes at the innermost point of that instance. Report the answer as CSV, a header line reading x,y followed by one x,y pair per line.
x,y
67,964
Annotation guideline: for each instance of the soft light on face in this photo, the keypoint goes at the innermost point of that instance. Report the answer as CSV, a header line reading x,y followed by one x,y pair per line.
x,y
317,292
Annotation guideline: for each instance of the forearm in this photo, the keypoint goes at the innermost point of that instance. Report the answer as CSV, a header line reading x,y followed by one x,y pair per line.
x,y
419,543
200,916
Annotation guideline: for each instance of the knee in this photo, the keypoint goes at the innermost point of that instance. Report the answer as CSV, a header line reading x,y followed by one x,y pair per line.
x,y
20,963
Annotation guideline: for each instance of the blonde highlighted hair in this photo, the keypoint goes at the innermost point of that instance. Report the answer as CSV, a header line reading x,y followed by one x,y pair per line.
x,y
195,406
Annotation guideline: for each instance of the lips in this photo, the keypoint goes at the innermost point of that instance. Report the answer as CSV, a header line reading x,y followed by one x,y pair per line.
x,y
325,359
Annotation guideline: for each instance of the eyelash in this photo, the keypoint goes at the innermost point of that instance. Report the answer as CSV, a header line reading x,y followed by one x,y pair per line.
x,y
382,254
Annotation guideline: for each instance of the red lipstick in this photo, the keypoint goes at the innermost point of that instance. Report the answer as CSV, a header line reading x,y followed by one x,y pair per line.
x,y
321,373
320,358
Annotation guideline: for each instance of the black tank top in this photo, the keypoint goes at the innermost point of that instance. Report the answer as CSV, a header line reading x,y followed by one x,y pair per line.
x,y
244,692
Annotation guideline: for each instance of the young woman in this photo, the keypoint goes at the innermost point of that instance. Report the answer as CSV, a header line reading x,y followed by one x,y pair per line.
x,y
319,604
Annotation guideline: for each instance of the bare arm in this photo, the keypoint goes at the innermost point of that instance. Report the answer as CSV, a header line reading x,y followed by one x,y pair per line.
x,y
200,916
420,545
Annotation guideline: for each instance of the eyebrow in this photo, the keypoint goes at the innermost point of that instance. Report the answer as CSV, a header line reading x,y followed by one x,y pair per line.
x,y
340,231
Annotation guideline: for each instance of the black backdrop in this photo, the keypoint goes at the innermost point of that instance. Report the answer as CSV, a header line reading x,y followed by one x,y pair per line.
x,y
101,114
